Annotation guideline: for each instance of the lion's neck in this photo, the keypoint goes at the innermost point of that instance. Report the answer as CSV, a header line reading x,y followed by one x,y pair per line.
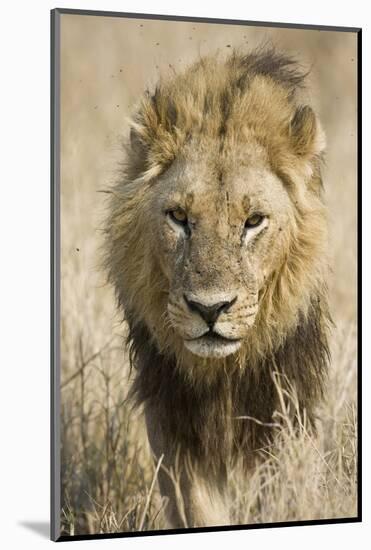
x,y
227,411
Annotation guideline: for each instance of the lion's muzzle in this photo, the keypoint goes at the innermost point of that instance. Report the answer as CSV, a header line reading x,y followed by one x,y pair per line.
x,y
209,312
211,325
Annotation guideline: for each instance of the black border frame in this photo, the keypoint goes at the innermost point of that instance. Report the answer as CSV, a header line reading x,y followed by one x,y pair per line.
x,y
55,271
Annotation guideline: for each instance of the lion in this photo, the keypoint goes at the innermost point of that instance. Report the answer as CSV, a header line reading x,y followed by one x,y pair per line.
x,y
216,245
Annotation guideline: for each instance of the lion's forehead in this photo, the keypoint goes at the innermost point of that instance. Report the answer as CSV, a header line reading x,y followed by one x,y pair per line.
x,y
202,185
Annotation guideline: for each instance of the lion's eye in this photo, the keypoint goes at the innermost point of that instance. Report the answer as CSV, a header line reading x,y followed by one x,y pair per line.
x,y
254,221
178,216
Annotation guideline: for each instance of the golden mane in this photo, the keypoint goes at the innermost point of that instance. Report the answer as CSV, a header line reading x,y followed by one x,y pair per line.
x,y
240,98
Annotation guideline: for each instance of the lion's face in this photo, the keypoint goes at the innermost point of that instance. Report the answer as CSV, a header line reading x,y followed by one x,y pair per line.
x,y
222,225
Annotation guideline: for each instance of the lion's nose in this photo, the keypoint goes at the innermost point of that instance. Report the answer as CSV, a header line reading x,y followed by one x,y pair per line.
x,y
209,313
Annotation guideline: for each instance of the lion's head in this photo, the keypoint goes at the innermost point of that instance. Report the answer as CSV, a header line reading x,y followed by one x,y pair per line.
x,y
216,236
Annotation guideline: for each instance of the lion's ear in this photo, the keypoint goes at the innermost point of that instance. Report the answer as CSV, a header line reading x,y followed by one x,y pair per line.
x,y
137,145
306,135
144,126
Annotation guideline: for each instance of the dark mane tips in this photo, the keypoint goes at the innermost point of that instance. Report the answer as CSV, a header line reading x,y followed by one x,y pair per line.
x,y
267,61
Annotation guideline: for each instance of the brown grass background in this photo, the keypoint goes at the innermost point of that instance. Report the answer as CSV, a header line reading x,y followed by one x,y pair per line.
x,y
107,471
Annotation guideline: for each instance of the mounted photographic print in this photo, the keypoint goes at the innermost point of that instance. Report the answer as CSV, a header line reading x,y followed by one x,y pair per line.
x,y
205,196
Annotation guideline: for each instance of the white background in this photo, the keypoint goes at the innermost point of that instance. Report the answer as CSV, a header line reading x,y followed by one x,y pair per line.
x,y
25,263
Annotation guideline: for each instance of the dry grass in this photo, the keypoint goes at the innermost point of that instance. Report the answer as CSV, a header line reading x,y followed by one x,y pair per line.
x,y
108,476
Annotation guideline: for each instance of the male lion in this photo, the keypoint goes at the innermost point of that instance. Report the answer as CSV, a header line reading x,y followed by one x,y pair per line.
x,y
216,247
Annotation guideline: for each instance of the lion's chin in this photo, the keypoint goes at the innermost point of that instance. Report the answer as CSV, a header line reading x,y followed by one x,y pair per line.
x,y
207,347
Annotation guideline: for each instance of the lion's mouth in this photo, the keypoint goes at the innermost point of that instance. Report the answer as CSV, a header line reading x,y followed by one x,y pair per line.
x,y
213,336
212,344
